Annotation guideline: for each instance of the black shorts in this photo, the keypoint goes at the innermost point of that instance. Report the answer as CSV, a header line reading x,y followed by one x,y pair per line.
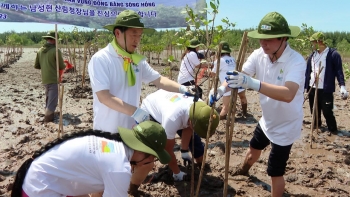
x,y
279,155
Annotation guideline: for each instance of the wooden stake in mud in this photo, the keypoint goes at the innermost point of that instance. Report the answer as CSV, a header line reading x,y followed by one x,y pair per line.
x,y
60,129
212,116
315,108
230,120
86,45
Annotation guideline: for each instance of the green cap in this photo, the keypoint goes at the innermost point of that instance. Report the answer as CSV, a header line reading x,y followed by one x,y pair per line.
x,y
225,47
128,18
274,25
50,34
200,119
194,43
148,137
318,36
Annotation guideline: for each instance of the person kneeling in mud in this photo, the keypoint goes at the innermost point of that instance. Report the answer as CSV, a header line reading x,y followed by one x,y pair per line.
x,y
91,161
174,111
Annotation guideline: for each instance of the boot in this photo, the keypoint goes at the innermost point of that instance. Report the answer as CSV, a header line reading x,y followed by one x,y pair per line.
x,y
244,109
134,190
49,116
242,170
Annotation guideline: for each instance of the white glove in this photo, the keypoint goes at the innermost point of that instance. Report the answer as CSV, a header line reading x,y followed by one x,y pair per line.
x,y
140,115
185,155
343,92
179,177
219,93
187,90
238,80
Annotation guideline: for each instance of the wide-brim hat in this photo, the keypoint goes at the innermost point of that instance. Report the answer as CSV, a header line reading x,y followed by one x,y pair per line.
x,y
318,36
51,35
194,43
274,25
128,18
225,47
147,137
200,119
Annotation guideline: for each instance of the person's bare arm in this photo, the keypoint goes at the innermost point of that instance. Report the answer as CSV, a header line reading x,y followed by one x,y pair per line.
x,y
173,162
284,93
166,84
106,98
186,138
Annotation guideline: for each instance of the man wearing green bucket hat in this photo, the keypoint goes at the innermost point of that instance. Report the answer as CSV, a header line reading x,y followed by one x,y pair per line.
x,y
279,78
330,59
116,75
46,61
179,115
189,62
91,161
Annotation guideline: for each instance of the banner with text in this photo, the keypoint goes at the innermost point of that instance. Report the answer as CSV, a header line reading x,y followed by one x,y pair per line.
x,y
97,13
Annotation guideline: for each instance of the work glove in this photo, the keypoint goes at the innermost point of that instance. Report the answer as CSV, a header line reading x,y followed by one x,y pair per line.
x,y
140,115
187,90
185,154
180,176
219,93
343,92
239,80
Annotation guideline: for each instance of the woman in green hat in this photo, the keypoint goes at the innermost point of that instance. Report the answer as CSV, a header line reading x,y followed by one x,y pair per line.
x,y
91,161
279,78
189,62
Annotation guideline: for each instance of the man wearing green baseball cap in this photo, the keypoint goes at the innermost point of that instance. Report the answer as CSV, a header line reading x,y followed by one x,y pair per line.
x,y
116,75
330,60
279,78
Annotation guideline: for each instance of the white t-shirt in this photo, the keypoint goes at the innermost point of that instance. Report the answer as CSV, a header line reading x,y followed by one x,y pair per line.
x,y
316,59
280,121
170,109
80,166
227,63
107,73
188,64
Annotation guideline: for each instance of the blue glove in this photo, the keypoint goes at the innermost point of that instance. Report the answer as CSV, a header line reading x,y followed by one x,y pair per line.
x,y
140,115
239,80
185,155
187,90
219,93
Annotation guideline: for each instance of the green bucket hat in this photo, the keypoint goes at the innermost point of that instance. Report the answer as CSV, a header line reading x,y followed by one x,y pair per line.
x,y
194,43
50,34
200,119
225,47
318,36
274,25
128,18
148,137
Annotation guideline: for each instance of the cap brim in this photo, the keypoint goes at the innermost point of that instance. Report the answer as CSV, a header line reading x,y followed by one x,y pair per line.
x,y
145,30
130,140
49,37
195,46
294,32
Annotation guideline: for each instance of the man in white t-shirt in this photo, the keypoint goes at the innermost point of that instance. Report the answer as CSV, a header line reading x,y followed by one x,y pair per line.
x,y
227,63
117,73
280,76
174,111
91,161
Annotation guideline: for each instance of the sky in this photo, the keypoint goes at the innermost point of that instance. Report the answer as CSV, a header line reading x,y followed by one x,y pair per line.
x,y
322,15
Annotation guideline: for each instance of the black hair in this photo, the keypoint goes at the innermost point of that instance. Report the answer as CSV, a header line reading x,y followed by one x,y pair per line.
x,y
280,38
121,28
189,49
22,171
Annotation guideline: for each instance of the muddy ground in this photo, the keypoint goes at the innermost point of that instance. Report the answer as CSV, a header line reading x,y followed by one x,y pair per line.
x,y
319,171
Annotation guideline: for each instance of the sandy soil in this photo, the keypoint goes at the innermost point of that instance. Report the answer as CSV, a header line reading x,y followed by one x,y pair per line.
x,y
319,171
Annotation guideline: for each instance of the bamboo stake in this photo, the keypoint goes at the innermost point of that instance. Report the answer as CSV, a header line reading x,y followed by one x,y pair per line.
x,y
315,108
216,81
230,120
84,66
60,129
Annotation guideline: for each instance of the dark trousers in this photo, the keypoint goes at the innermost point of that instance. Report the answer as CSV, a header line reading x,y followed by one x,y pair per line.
x,y
198,89
325,104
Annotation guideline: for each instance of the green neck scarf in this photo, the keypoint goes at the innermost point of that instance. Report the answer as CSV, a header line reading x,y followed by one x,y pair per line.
x,y
129,59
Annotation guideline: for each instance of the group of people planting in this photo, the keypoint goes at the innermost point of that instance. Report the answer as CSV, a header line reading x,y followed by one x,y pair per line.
x,y
114,157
